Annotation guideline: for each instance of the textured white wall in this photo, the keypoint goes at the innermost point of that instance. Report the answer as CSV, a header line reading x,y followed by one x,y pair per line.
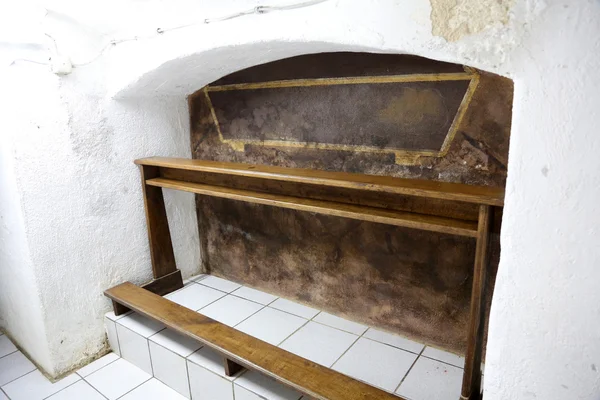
x,y
20,307
89,233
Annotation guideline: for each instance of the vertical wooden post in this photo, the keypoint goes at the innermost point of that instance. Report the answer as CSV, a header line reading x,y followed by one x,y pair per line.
x,y
159,236
471,386
231,367
167,277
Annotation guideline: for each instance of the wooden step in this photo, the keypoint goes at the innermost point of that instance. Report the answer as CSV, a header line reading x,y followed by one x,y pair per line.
x,y
303,375
412,187
364,213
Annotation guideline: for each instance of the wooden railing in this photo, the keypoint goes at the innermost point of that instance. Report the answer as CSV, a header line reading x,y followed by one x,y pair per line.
x,y
414,204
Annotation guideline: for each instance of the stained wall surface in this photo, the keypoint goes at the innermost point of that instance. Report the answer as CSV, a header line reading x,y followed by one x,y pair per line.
x,y
392,115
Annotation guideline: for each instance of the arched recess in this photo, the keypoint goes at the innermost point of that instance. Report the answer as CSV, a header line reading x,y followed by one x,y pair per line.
x,y
381,114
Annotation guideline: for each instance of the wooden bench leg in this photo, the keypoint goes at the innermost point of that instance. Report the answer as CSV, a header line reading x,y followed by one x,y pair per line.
x,y
167,277
471,386
231,367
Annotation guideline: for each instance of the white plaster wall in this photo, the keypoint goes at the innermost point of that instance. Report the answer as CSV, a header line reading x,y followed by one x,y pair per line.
x,y
20,307
544,338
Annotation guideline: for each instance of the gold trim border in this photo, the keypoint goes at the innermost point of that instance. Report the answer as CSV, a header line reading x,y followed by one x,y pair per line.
x,y
402,157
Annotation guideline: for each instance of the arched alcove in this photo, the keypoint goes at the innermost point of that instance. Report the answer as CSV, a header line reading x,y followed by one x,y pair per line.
x,y
381,114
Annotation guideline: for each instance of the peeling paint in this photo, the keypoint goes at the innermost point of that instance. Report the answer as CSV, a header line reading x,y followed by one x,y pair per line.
x,y
454,19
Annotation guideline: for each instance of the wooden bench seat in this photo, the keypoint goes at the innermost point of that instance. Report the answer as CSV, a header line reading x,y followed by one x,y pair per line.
x,y
464,210
303,375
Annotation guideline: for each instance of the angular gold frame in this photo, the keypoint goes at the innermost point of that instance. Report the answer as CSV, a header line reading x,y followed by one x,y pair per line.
x,y
402,157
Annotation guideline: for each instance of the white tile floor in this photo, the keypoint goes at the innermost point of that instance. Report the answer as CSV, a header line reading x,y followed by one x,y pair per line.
x,y
150,362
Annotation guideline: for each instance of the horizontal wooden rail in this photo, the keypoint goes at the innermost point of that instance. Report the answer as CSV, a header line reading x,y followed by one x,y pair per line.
x,y
303,375
364,213
410,187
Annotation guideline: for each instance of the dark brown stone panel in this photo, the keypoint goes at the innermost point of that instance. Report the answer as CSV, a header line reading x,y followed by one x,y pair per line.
x,y
406,281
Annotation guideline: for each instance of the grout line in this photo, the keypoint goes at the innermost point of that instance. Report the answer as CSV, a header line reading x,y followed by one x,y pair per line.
x,y
410,369
68,386
139,334
256,312
19,377
117,334
243,298
104,366
83,377
165,383
187,371
149,356
339,329
214,301
3,392
220,290
349,347
92,386
302,326
396,347
216,373
443,362
8,354
126,393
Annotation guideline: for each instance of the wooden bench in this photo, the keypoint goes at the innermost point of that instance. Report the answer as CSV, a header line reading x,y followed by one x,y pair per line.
x,y
408,203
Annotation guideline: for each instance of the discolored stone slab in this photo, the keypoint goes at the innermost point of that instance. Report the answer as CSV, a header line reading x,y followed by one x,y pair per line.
x,y
410,282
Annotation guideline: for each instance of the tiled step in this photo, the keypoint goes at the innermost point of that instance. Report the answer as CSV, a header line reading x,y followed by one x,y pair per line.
x,y
389,362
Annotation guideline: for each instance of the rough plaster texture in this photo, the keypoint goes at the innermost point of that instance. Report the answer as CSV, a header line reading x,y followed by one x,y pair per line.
x,y
19,294
453,19
544,339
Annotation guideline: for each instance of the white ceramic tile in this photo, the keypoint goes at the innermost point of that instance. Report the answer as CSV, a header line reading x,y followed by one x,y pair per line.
x,y
219,283
153,390
6,346
96,365
35,386
376,363
231,310
340,323
3,396
194,278
294,308
265,387
176,342
117,378
13,366
200,277
141,325
394,340
170,369
444,356
271,325
111,332
134,348
195,296
254,295
245,394
319,343
80,390
431,380
205,384
211,360
111,315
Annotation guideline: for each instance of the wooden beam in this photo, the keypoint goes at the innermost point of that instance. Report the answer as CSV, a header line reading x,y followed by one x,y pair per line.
x,y
160,286
412,187
365,213
471,386
301,374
